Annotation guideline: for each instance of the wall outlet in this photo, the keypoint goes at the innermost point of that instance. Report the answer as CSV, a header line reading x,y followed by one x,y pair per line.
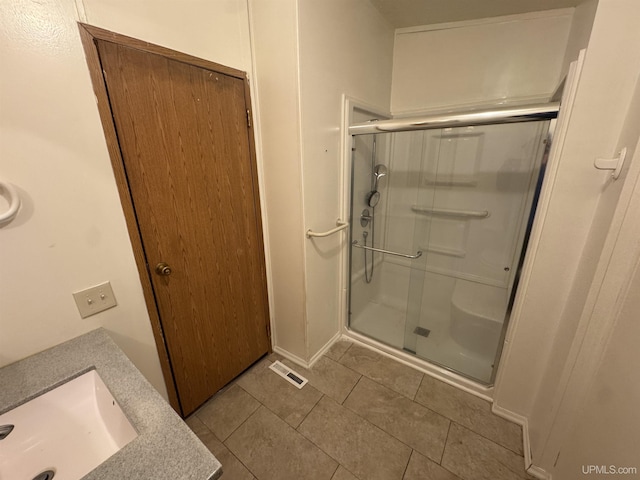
x,y
95,299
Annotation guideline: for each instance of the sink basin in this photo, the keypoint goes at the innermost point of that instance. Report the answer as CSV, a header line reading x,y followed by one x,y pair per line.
x,y
67,431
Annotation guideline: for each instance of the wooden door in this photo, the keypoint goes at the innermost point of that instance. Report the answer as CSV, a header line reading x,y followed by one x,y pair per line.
x,y
186,147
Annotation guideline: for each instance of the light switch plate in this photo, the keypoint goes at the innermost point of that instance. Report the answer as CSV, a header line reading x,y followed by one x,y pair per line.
x,y
95,299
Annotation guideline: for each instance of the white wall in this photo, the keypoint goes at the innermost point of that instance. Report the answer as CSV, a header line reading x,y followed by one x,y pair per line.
x,y
594,267
606,431
581,24
488,61
308,54
71,233
214,30
275,42
573,230
598,341
586,285
345,48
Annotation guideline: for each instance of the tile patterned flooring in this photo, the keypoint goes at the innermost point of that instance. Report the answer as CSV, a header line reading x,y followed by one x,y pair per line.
x,y
362,416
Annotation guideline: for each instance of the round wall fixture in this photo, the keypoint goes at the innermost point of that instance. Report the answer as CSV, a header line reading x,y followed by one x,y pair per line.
x,y
10,193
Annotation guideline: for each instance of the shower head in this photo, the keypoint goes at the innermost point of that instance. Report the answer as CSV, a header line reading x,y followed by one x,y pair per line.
x,y
379,172
373,197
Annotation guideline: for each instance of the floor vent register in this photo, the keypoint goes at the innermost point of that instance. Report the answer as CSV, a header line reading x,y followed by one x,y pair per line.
x,y
289,375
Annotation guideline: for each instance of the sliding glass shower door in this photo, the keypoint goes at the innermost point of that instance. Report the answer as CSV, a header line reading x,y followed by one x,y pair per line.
x,y
439,220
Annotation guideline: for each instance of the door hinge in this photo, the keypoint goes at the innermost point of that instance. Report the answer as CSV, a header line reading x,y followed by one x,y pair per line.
x,y
248,119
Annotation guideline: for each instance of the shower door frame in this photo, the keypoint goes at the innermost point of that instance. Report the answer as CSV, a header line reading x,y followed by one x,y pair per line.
x,y
350,105
532,113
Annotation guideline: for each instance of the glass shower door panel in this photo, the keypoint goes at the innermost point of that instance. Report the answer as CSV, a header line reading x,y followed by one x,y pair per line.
x,y
475,200
422,163
380,281
462,197
376,309
361,294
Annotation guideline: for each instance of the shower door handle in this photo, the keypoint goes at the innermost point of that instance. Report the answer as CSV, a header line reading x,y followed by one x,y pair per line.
x,y
388,252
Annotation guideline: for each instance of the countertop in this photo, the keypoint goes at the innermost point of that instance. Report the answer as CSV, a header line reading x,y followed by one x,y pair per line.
x,y
165,447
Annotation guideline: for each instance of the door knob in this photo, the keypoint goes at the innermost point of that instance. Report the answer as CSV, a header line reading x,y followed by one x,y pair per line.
x,y
163,269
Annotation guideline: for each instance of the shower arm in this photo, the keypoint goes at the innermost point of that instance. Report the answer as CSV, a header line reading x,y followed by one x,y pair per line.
x,y
388,252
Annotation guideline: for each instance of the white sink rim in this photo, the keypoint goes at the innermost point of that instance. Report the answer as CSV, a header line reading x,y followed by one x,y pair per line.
x,y
70,429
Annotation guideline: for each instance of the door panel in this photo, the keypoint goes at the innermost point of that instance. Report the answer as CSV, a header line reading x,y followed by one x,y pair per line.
x,y
185,144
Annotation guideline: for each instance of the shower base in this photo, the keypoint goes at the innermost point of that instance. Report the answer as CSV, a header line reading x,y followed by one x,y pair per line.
x,y
387,325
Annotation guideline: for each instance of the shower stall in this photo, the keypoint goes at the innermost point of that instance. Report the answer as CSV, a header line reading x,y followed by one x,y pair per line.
x,y
440,212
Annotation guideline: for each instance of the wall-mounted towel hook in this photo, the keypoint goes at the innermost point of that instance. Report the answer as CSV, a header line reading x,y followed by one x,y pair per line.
x,y
9,192
614,164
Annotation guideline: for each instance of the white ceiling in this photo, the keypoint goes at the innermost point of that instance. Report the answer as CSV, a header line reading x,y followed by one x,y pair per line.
x,y
410,13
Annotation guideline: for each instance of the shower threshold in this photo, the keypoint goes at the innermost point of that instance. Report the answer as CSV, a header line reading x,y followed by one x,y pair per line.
x,y
434,369
433,346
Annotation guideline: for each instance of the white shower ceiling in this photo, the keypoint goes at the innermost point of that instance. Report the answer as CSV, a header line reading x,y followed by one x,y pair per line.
x,y
410,13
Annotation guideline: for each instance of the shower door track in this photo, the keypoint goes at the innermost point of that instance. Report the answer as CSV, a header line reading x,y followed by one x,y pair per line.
x,y
527,113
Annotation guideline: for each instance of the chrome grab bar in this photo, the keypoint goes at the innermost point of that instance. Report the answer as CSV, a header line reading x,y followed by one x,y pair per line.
x,y
340,226
388,252
450,213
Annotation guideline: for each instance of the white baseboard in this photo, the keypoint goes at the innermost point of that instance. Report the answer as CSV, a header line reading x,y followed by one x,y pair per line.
x,y
290,356
303,363
538,472
531,469
524,423
324,349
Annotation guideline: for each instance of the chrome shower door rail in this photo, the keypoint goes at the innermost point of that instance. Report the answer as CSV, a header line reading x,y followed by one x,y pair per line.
x,y
525,113
388,252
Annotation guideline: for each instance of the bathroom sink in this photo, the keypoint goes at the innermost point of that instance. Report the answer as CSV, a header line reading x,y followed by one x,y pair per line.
x,y
63,434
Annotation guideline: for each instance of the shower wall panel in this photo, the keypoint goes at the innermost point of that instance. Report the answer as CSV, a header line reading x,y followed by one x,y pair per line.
x,y
458,197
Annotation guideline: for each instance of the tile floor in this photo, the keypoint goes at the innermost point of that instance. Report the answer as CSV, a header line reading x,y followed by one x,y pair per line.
x,y
361,416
